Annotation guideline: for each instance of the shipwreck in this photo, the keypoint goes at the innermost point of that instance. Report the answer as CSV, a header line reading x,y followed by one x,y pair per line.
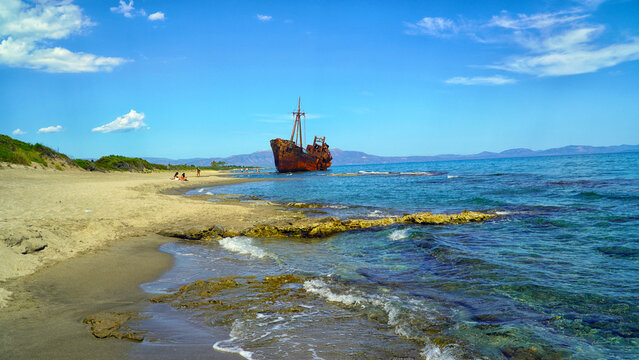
x,y
290,155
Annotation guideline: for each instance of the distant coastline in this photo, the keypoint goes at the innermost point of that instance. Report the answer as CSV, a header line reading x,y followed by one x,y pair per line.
x,y
264,158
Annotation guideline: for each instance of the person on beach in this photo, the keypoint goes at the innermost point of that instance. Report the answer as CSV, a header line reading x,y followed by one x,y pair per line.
x,y
175,177
183,177
197,169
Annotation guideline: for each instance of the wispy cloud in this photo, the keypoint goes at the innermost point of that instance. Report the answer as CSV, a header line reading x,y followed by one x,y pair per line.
x,y
264,18
50,129
554,43
26,31
18,132
127,9
127,122
157,16
433,26
561,44
479,80
574,61
535,21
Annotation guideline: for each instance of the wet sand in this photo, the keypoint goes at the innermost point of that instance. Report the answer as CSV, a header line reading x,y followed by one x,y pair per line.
x,y
45,320
76,243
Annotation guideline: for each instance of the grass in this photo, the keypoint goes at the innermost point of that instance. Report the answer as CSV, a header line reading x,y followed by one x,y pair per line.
x,y
118,163
17,152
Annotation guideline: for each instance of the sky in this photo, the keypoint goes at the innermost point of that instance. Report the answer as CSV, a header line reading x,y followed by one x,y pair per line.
x,y
183,79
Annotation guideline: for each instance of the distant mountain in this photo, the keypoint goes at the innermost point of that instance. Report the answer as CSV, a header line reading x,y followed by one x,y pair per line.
x,y
264,158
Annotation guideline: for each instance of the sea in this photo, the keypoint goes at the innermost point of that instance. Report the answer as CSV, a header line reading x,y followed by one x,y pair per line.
x,y
555,276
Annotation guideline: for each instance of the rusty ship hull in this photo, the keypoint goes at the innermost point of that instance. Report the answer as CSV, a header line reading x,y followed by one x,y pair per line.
x,y
289,157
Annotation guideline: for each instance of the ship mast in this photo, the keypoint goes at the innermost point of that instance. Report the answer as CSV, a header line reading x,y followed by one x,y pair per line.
x,y
296,135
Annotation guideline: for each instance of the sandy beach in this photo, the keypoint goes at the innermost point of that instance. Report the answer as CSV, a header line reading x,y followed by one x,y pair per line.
x,y
75,243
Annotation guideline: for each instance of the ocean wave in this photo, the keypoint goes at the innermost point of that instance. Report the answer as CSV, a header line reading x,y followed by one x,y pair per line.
x,y
432,352
398,234
229,346
399,316
362,172
376,214
319,287
245,246
452,176
619,252
401,173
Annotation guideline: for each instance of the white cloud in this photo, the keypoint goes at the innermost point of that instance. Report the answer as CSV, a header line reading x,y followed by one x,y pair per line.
x,y
555,43
590,3
562,44
489,80
50,129
127,9
261,17
18,132
157,16
26,31
535,21
434,26
570,39
577,61
130,121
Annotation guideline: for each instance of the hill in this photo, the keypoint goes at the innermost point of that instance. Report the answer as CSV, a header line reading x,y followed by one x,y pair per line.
x,y
264,158
14,151
17,152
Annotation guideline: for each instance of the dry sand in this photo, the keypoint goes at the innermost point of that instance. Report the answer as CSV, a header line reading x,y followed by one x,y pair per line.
x,y
47,216
109,219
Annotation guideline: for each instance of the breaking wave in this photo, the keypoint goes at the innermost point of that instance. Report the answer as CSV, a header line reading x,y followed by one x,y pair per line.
x,y
399,314
245,246
229,346
398,234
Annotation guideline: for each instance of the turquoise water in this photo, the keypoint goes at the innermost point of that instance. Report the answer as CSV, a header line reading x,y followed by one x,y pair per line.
x,y
557,276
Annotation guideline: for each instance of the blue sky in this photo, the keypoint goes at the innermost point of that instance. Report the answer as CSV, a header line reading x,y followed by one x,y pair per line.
x,y
215,78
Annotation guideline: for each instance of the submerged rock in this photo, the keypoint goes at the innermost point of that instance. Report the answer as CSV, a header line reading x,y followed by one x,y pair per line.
x,y
327,226
104,325
225,299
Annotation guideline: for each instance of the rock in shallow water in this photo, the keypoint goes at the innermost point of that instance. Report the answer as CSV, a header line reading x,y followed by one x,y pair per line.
x,y
104,325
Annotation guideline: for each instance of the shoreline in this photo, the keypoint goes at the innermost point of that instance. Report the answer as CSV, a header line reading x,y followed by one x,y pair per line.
x,y
136,213
77,243
45,317
49,216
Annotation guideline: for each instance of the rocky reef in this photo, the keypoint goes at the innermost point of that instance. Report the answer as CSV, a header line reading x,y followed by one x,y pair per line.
x,y
327,226
104,325
226,299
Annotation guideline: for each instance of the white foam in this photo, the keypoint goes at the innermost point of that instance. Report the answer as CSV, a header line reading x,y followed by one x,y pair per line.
x,y
5,296
510,212
414,173
245,246
398,234
336,206
395,313
314,354
227,345
221,346
432,352
320,288
362,172
452,176
376,214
